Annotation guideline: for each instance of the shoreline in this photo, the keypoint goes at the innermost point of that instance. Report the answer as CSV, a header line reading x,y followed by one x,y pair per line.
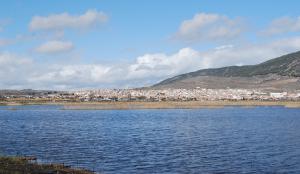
x,y
176,105
118,105
20,165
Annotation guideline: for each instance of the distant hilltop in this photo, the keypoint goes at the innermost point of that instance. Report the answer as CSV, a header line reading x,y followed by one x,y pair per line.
x,y
282,73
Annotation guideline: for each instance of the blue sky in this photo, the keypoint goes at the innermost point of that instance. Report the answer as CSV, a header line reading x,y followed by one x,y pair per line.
x,y
107,44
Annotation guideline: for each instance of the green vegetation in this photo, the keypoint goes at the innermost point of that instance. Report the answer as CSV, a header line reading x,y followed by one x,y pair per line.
x,y
22,165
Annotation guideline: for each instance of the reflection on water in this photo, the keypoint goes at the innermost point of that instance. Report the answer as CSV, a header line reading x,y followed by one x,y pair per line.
x,y
230,140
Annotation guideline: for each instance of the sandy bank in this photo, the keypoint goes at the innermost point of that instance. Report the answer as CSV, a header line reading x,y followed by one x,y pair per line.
x,y
157,105
175,105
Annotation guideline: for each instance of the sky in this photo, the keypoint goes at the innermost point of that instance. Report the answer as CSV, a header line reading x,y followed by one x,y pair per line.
x,y
66,44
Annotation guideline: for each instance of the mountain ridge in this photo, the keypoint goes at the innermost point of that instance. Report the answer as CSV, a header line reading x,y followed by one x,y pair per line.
x,y
283,66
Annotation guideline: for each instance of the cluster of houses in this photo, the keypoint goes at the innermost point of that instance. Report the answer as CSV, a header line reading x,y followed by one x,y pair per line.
x,y
158,95
182,95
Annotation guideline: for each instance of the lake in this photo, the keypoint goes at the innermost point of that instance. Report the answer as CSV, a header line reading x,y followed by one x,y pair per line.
x,y
225,140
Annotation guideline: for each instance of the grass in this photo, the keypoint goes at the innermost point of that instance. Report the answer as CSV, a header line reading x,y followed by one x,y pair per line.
x,y
21,165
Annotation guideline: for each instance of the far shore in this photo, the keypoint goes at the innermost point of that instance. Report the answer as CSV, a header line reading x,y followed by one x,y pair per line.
x,y
118,105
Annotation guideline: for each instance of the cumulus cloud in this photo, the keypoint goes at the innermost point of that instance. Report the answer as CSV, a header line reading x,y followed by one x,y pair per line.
x,y
249,54
283,25
8,59
209,27
53,47
16,71
74,74
64,21
158,65
161,66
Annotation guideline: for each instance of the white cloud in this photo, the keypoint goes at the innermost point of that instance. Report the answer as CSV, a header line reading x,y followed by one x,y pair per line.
x,y
53,47
74,74
8,59
209,27
16,71
250,54
151,68
160,66
64,20
283,25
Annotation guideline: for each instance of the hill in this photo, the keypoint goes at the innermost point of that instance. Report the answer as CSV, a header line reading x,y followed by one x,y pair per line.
x,y
282,73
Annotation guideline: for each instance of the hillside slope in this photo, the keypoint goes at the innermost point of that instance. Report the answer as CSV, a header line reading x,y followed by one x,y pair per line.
x,y
282,72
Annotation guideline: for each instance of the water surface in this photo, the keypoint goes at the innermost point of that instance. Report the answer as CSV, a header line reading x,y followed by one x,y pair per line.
x,y
227,140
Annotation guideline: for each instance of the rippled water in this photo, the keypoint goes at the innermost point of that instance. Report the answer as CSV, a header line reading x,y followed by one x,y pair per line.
x,y
228,140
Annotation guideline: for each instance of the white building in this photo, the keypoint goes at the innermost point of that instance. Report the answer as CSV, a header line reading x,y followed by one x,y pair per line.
x,y
278,95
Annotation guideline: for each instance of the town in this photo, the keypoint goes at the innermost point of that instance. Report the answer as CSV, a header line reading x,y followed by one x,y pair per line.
x,y
150,95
